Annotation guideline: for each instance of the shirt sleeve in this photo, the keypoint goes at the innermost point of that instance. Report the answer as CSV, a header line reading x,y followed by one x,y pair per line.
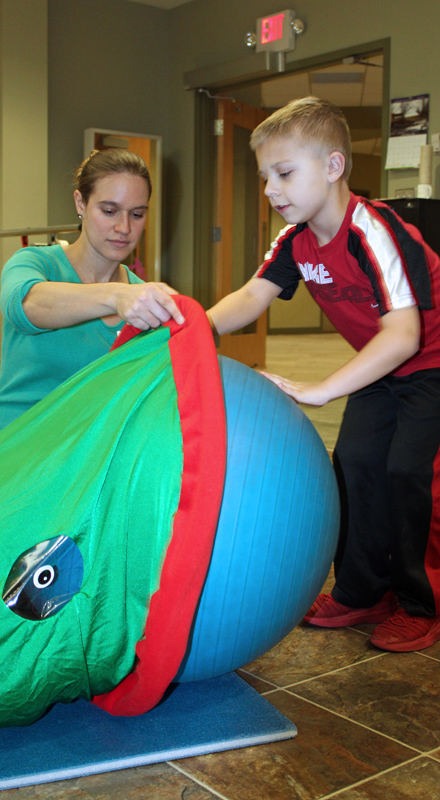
x,y
394,257
279,266
20,273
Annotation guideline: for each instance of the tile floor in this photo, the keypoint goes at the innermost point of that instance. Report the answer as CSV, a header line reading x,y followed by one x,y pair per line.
x,y
368,721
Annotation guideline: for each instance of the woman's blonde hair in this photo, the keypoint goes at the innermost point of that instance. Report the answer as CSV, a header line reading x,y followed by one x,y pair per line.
x,y
312,121
101,163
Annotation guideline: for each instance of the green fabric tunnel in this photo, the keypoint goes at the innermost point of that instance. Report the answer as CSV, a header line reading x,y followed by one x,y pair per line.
x,y
115,479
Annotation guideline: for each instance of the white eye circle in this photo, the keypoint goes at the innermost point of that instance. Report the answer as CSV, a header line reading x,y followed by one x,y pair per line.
x,y
44,576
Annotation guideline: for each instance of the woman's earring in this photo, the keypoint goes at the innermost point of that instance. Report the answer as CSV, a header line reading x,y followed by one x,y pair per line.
x,y
80,216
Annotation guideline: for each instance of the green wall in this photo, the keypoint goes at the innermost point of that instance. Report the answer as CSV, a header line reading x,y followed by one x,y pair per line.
x,y
23,118
214,32
108,68
120,65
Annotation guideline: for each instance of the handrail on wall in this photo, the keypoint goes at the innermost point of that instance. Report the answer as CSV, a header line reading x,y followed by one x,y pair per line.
x,y
38,231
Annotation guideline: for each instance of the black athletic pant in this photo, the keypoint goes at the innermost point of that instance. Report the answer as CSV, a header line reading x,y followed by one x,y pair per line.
x,y
387,464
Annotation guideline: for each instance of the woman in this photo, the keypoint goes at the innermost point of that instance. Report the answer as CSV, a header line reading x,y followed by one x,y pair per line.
x,y
64,306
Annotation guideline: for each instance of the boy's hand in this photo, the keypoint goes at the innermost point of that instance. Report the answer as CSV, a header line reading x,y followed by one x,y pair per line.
x,y
311,394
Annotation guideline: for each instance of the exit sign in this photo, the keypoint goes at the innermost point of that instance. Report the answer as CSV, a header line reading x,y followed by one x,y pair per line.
x,y
275,33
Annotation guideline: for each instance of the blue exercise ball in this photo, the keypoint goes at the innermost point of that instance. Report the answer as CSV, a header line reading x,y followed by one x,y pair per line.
x,y
277,529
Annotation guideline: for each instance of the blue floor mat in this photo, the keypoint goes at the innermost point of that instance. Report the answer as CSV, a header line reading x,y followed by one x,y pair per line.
x,y
193,719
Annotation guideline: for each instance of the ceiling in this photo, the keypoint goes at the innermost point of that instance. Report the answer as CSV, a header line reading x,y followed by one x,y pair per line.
x,y
346,84
167,4
355,85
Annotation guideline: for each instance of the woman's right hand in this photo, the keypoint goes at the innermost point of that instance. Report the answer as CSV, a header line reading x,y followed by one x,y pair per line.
x,y
51,305
147,305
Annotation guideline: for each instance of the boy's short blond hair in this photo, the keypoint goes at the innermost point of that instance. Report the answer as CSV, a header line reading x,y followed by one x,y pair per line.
x,y
312,121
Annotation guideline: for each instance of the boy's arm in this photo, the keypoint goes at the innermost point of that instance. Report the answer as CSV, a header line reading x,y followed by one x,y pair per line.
x,y
243,306
397,341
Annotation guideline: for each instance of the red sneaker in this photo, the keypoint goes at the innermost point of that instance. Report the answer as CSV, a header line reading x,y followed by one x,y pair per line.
x,y
403,633
327,613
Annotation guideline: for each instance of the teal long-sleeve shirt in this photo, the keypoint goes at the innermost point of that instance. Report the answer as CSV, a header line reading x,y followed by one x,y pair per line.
x,y
34,361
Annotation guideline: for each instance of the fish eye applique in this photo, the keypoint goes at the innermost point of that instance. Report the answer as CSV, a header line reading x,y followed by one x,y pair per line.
x,y
44,578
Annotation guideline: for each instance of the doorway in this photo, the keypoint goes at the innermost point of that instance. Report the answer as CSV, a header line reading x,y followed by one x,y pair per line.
x,y
241,222
357,81
147,255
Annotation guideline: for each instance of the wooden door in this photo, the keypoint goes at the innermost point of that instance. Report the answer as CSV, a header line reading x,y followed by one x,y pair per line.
x,y
148,250
242,222
141,147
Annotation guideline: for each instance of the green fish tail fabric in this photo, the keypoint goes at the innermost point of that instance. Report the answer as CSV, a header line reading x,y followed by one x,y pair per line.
x,y
110,490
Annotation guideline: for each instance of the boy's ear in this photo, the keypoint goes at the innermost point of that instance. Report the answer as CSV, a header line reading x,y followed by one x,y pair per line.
x,y
336,166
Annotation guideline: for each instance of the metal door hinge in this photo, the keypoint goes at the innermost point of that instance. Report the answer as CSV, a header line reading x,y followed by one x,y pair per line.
x,y
216,234
219,127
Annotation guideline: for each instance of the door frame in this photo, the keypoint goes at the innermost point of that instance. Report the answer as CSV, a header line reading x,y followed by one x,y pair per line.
x,y
226,81
246,346
155,203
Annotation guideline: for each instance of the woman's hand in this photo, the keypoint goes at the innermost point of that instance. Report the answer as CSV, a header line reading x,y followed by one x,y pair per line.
x,y
49,304
312,394
147,305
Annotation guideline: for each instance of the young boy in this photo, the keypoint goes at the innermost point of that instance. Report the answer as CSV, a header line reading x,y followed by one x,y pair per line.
x,y
379,283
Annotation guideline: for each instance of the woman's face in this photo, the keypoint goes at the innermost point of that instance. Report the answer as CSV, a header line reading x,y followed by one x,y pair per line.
x,y
114,217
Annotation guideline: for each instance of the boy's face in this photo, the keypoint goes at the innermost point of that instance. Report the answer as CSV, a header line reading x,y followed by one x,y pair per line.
x,y
296,177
